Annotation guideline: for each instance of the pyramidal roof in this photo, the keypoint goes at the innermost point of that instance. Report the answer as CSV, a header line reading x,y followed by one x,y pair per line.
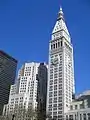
x,y
60,23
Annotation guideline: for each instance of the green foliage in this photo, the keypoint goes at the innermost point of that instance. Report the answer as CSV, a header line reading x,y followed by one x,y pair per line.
x,y
20,113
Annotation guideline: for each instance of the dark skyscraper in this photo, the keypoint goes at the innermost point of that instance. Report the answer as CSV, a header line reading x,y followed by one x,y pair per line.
x,y
8,67
42,90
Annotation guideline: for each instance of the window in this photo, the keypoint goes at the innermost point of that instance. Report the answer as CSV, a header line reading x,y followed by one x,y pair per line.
x,y
60,112
66,117
55,105
51,47
50,100
60,74
54,108
55,100
59,108
50,106
76,107
60,117
80,117
60,99
60,68
71,117
75,117
50,94
51,76
55,75
60,80
60,86
55,93
54,46
55,81
71,107
61,43
58,44
60,105
84,116
51,71
55,70
51,83
60,91
50,109
55,115
88,116
55,86
81,106
66,105
12,99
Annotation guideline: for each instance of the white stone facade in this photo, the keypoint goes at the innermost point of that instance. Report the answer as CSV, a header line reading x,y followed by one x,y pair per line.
x,y
24,92
81,114
79,108
60,71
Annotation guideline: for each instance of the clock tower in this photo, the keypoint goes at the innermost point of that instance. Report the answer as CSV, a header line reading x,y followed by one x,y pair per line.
x,y
60,86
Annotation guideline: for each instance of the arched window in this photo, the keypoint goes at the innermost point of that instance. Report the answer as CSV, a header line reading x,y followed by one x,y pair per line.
x,y
58,44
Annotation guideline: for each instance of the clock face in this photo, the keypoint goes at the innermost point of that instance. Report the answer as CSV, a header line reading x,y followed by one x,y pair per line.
x,y
55,61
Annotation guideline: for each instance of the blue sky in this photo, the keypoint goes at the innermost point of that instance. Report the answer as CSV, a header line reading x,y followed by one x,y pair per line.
x,y
26,26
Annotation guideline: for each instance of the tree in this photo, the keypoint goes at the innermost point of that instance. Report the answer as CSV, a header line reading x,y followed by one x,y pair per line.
x,y
48,116
31,113
20,113
6,117
1,117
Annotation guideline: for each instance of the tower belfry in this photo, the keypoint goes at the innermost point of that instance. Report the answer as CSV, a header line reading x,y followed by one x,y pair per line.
x,y
60,26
